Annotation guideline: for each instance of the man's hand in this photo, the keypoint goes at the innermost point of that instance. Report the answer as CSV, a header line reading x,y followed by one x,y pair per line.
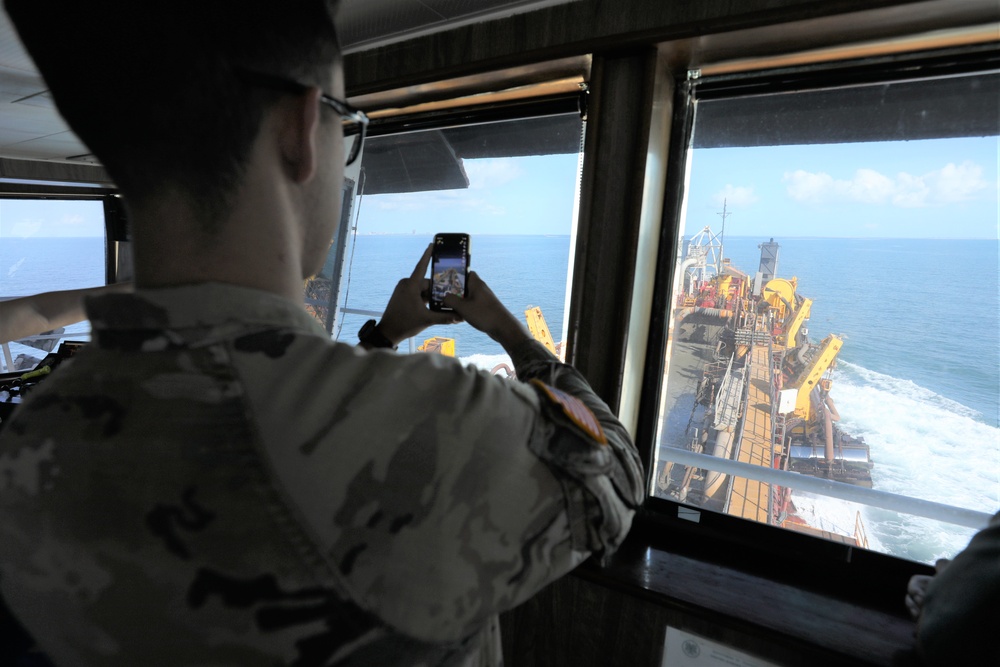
x,y
483,310
407,314
916,588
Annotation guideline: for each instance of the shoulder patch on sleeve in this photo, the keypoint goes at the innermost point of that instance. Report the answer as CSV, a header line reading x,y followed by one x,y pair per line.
x,y
574,409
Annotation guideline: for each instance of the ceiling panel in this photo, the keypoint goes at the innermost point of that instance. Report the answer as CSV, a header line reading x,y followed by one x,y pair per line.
x,y
366,23
59,146
32,129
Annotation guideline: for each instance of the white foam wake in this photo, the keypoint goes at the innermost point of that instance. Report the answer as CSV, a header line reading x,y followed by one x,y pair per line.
x,y
923,445
487,362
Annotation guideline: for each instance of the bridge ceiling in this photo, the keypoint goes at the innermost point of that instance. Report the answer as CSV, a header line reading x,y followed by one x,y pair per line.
x,y
31,128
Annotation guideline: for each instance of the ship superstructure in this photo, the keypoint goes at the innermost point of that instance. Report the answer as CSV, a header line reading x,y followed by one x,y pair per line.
x,y
763,393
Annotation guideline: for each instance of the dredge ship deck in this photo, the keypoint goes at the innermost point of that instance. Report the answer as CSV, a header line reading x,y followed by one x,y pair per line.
x,y
749,498
741,497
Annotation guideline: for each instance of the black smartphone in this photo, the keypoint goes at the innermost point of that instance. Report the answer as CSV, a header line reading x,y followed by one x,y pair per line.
x,y
449,268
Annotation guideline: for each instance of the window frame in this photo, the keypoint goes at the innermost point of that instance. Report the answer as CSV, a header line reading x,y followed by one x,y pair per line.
x,y
872,577
115,231
537,101
115,218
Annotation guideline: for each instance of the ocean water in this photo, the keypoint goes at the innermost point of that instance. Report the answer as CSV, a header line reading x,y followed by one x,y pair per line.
x,y
918,376
37,264
28,264
523,271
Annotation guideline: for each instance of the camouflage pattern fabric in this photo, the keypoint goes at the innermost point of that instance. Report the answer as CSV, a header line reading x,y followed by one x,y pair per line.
x,y
962,606
214,482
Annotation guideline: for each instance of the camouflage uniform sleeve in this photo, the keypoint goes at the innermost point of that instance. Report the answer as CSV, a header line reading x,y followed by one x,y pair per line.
x,y
442,495
959,615
598,479
535,497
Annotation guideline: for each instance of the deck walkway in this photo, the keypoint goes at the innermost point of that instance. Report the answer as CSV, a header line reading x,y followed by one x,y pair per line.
x,y
749,498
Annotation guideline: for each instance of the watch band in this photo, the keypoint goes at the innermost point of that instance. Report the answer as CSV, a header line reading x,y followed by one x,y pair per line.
x,y
371,335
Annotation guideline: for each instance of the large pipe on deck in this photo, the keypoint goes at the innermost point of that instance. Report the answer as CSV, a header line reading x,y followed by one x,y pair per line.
x,y
828,426
685,265
833,408
723,448
820,406
800,356
709,312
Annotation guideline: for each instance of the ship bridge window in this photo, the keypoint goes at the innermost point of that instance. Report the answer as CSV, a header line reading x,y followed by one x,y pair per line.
x,y
48,245
829,359
508,178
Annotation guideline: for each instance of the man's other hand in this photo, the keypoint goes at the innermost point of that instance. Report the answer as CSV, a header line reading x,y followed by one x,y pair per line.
x,y
483,310
406,314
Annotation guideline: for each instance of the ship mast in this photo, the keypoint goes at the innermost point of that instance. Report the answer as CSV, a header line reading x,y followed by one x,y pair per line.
x,y
722,238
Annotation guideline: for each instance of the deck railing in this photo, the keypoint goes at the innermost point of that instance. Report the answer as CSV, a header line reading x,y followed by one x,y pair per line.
x,y
958,516
860,534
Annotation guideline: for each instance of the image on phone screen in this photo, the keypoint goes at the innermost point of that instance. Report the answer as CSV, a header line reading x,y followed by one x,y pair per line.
x,y
449,267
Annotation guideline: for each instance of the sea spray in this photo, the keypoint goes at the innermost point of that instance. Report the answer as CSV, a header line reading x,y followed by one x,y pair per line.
x,y
925,446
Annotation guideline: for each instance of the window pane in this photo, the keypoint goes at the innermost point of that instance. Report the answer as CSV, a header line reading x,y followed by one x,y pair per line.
x,y
49,245
515,198
879,320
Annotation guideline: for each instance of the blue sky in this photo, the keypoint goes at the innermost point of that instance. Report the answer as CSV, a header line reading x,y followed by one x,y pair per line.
x,y
26,218
527,195
943,188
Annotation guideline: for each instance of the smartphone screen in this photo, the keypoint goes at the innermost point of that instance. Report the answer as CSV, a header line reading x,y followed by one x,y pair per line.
x,y
449,267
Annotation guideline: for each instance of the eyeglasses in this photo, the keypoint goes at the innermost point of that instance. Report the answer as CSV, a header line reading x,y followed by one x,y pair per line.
x,y
355,121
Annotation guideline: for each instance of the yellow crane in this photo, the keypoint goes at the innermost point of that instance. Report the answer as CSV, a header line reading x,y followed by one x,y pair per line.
x,y
537,325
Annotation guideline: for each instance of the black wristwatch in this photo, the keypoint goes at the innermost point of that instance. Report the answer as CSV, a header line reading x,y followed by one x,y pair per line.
x,y
372,336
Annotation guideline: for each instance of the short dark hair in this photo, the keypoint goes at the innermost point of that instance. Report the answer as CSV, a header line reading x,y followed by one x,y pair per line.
x,y
150,85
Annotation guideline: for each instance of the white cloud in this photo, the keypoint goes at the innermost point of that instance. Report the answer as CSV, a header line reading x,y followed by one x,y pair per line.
x,y
958,183
806,186
484,174
952,183
911,191
737,195
438,200
24,228
870,187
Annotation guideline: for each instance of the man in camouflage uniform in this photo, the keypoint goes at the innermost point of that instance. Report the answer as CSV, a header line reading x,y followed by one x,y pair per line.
x,y
957,608
213,481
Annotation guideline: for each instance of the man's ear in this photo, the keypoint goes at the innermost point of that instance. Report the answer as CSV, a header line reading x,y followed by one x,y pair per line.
x,y
299,134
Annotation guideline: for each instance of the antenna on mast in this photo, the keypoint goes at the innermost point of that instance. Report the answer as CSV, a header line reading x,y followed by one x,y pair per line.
x,y
722,236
